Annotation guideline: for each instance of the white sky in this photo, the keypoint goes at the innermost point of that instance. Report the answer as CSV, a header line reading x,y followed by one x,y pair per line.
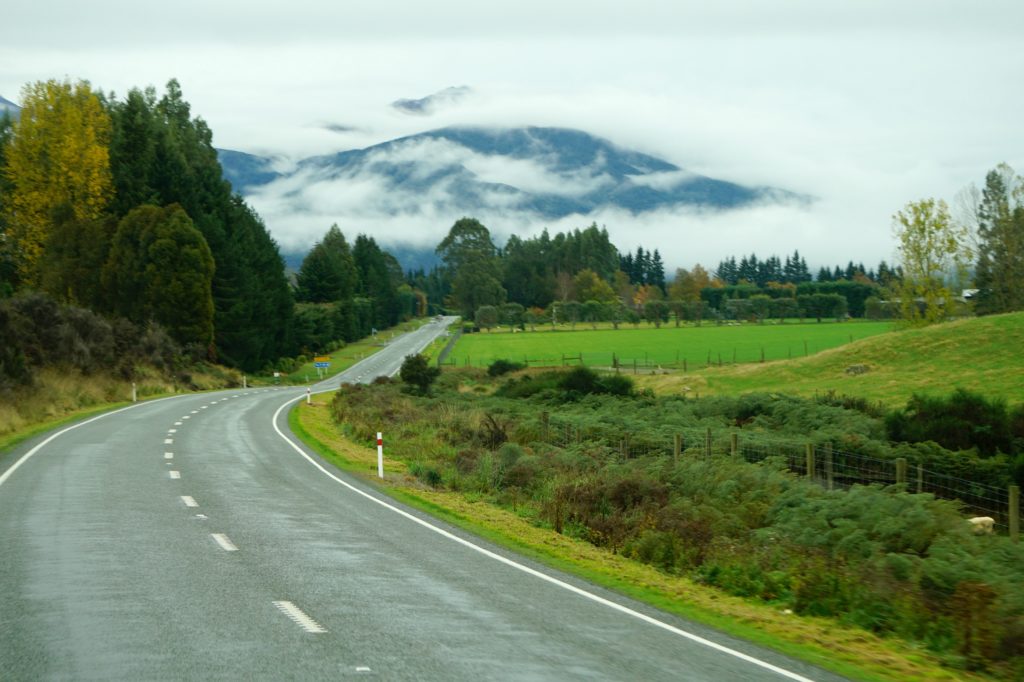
x,y
866,105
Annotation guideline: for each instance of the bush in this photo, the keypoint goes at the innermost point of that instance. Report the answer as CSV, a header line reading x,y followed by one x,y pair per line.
x,y
502,367
962,421
417,374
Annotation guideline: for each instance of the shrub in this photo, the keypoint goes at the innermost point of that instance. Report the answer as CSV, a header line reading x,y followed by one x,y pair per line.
x,y
962,421
417,374
502,367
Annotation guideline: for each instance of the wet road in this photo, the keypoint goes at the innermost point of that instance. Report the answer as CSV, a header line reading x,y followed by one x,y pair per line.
x,y
193,537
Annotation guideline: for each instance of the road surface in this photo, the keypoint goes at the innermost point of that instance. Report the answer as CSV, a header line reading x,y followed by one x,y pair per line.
x,y
193,538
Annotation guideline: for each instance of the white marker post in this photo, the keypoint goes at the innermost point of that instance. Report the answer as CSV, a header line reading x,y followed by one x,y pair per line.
x,y
309,397
135,393
380,455
244,382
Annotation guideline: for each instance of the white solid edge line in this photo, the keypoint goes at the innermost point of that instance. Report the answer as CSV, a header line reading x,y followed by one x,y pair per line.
x,y
535,573
24,458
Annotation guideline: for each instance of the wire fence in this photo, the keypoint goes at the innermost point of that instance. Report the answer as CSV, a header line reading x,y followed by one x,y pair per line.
x,y
832,469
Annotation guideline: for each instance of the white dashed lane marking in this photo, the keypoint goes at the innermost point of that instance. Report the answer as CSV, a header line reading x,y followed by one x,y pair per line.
x,y
224,542
168,455
189,501
175,474
168,441
298,617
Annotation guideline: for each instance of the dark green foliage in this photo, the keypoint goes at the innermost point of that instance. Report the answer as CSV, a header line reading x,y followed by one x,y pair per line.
x,y
76,254
962,421
471,260
379,278
328,271
502,367
418,374
161,155
160,269
999,273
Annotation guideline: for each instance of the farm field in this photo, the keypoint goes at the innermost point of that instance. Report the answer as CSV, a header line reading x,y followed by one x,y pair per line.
x,y
980,354
668,346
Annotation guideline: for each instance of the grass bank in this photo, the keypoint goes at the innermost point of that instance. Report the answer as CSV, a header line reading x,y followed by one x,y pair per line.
x,y
60,395
979,354
850,652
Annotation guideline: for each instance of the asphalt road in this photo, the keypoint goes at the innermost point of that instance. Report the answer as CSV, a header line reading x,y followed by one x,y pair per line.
x,y
193,538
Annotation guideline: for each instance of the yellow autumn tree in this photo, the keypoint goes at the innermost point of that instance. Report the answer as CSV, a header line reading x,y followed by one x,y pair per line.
x,y
57,158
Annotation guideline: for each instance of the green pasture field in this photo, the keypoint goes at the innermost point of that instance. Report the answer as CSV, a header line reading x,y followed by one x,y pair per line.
x,y
984,355
666,347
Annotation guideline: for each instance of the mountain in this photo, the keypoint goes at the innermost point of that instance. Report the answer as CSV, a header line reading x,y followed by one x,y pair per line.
x,y
430,103
548,172
10,107
246,171
407,192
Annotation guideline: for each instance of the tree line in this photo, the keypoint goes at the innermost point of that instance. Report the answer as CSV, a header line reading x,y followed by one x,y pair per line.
x,y
582,277
118,205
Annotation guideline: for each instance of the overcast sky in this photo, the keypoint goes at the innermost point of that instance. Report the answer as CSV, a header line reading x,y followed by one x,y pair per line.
x,y
864,105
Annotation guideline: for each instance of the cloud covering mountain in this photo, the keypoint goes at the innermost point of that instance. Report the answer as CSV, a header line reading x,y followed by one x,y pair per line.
x,y
432,103
409,191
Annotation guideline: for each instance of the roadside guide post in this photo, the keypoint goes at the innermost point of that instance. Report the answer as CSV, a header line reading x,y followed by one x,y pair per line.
x,y
309,397
380,455
135,393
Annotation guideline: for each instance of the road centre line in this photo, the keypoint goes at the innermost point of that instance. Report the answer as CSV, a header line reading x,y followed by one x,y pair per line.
x,y
168,455
224,542
531,571
299,617
168,441
172,430
175,474
189,501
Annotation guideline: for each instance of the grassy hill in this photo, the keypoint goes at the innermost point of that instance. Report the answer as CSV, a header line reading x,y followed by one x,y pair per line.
x,y
979,354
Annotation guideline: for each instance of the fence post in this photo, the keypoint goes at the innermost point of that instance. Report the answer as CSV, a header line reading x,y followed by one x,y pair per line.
x,y
901,470
734,444
623,449
920,478
810,460
677,447
707,443
1015,513
829,473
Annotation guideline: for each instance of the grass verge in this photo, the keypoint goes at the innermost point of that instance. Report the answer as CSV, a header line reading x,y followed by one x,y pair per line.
x,y
850,652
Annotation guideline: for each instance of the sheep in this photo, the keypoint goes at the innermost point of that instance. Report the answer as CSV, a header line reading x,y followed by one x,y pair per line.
x,y
982,525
